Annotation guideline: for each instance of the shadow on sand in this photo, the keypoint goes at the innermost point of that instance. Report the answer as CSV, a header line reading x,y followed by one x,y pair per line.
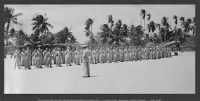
x,y
88,76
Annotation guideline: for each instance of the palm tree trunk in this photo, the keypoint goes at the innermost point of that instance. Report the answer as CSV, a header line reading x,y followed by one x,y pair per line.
x,y
144,24
110,33
91,34
7,29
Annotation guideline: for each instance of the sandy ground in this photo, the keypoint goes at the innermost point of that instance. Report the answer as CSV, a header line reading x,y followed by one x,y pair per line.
x,y
164,76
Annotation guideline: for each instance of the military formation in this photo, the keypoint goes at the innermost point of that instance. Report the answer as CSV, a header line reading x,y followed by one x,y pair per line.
x,y
47,57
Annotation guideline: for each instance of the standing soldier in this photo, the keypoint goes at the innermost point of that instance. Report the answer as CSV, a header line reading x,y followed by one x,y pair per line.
x,y
41,58
72,54
150,53
170,51
63,56
68,56
104,55
79,56
126,55
115,58
37,59
90,56
75,56
34,57
131,54
101,55
26,57
86,65
155,57
94,56
45,57
110,55
97,55
58,57
17,59
53,56
138,53
48,58
22,57
157,53
29,57
120,55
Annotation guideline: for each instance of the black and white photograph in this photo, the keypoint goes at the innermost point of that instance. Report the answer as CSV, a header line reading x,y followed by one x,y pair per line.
x,y
99,49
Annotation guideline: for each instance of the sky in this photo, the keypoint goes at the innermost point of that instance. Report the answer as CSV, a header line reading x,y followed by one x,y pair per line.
x,y
75,16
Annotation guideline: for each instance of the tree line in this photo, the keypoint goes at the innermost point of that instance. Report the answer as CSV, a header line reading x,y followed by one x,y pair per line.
x,y
111,32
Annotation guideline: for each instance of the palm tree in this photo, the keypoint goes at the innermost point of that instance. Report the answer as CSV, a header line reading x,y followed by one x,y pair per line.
x,y
135,34
194,26
148,16
187,25
119,33
175,29
21,37
12,32
182,19
166,26
104,34
9,17
124,30
158,26
151,26
175,21
40,25
143,14
88,28
65,35
110,20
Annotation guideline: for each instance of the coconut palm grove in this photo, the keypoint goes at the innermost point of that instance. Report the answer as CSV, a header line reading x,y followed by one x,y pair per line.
x,y
113,33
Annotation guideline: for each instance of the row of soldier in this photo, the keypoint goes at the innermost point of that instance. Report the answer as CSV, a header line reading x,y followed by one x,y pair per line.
x,y
48,57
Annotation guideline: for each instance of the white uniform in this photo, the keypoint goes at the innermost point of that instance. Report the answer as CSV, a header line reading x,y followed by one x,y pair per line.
x,y
86,65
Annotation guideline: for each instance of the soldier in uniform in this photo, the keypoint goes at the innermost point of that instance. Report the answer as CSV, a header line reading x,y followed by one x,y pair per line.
x,y
68,56
45,57
157,53
48,58
132,53
138,53
120,55
170,51
34,57
41,57
104,55
72,54
86,64
17,58
77,56
63,56
97,55
93,52
101,55
26,57
115,55
126,54
58,57
22,57
110,55
37,58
